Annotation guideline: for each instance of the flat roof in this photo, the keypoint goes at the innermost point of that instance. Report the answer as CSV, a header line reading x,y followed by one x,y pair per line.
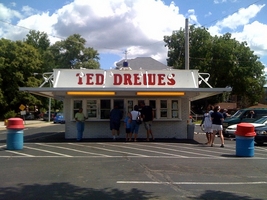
x,y
191,93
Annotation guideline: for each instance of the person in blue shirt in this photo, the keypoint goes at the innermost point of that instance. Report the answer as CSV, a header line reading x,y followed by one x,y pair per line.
x,y
115,121
127,126
217,121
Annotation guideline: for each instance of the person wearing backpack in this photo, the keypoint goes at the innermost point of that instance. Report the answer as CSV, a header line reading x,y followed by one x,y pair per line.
x,y
135,114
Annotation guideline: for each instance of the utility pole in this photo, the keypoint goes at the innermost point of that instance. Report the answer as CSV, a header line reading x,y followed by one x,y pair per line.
x,y
186,45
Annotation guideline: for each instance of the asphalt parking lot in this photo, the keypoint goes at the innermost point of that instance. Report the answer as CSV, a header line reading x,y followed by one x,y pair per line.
x,y
51,167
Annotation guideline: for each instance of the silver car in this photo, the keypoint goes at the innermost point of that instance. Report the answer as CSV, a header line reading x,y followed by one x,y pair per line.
x,y
230,130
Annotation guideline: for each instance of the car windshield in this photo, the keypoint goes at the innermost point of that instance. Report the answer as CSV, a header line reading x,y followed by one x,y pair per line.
x,y
261,120
238,113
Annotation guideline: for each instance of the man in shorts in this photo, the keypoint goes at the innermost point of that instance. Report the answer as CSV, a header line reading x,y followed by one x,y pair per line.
x,y
147,116
217,121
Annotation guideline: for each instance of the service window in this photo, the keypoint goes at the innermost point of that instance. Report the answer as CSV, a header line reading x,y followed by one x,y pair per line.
x,y
163,108
129,105
105,107
77,104
92,108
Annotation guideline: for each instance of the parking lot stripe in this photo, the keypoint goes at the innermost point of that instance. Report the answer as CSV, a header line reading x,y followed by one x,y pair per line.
x,y
104,149
52,152
192,183
177,150
22,154
146,150
65,148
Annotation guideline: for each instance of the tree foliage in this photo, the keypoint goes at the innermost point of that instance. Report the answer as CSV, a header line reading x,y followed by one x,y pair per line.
x,y
72,54
229,62
18,61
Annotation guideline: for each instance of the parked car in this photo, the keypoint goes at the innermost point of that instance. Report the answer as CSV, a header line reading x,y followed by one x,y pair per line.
x,y
45,116
59,118
242,115
230,130
29,116
261,135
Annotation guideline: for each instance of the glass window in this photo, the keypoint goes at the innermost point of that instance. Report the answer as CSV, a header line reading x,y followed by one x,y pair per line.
x,y
175,110
163,108
120,104
105,108
129,105
92,108
77,104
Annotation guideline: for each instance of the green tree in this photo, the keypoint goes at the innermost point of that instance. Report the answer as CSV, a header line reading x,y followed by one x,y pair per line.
x,y
229,62
72,53
18,61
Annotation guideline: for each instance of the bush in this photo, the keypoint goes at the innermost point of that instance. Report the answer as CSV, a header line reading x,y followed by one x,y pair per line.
x,y
10,114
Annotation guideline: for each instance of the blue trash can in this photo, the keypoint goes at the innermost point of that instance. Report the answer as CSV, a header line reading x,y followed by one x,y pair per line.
x,y
245,140
244,146
15,134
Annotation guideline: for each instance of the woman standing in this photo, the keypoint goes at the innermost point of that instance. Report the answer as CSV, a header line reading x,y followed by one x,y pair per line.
x,y
207,123
134,126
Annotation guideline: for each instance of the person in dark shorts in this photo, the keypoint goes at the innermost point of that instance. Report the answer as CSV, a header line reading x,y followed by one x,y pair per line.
x,y
127,126
147,116
115,121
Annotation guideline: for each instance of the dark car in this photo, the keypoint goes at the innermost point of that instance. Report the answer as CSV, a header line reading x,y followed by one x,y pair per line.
x,y
261,135
59,118
243,115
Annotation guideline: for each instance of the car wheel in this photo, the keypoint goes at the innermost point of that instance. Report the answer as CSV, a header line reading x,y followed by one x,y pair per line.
x,y
259,143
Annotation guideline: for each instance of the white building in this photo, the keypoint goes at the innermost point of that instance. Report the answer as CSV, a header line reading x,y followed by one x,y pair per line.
x,y
168,91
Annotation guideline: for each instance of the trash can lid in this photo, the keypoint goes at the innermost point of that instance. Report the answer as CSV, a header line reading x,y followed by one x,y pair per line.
x,y
245,129
15,123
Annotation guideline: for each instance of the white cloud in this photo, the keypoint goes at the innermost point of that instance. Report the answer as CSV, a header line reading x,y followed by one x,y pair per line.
x,y
240,18
7,14
256,39
27,10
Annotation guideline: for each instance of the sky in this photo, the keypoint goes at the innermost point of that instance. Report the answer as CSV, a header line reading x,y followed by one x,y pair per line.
x,y
114,27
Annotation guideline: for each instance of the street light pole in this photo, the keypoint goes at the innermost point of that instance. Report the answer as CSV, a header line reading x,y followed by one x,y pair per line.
x,y
49,106
49,79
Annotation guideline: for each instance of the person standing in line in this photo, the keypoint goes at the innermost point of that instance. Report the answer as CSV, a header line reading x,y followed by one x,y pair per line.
x,y
224,113
127,126
115,121
147,116
134,126
80,117
217,120
207,122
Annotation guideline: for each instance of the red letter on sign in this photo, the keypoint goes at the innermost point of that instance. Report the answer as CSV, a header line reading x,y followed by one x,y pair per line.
x,y
171,81
80,81
89,78
137,79
99,79
161,78
127,79
151,79
117,79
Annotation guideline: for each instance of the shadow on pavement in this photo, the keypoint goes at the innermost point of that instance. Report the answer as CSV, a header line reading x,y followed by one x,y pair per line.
x,y
219,195
71,192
